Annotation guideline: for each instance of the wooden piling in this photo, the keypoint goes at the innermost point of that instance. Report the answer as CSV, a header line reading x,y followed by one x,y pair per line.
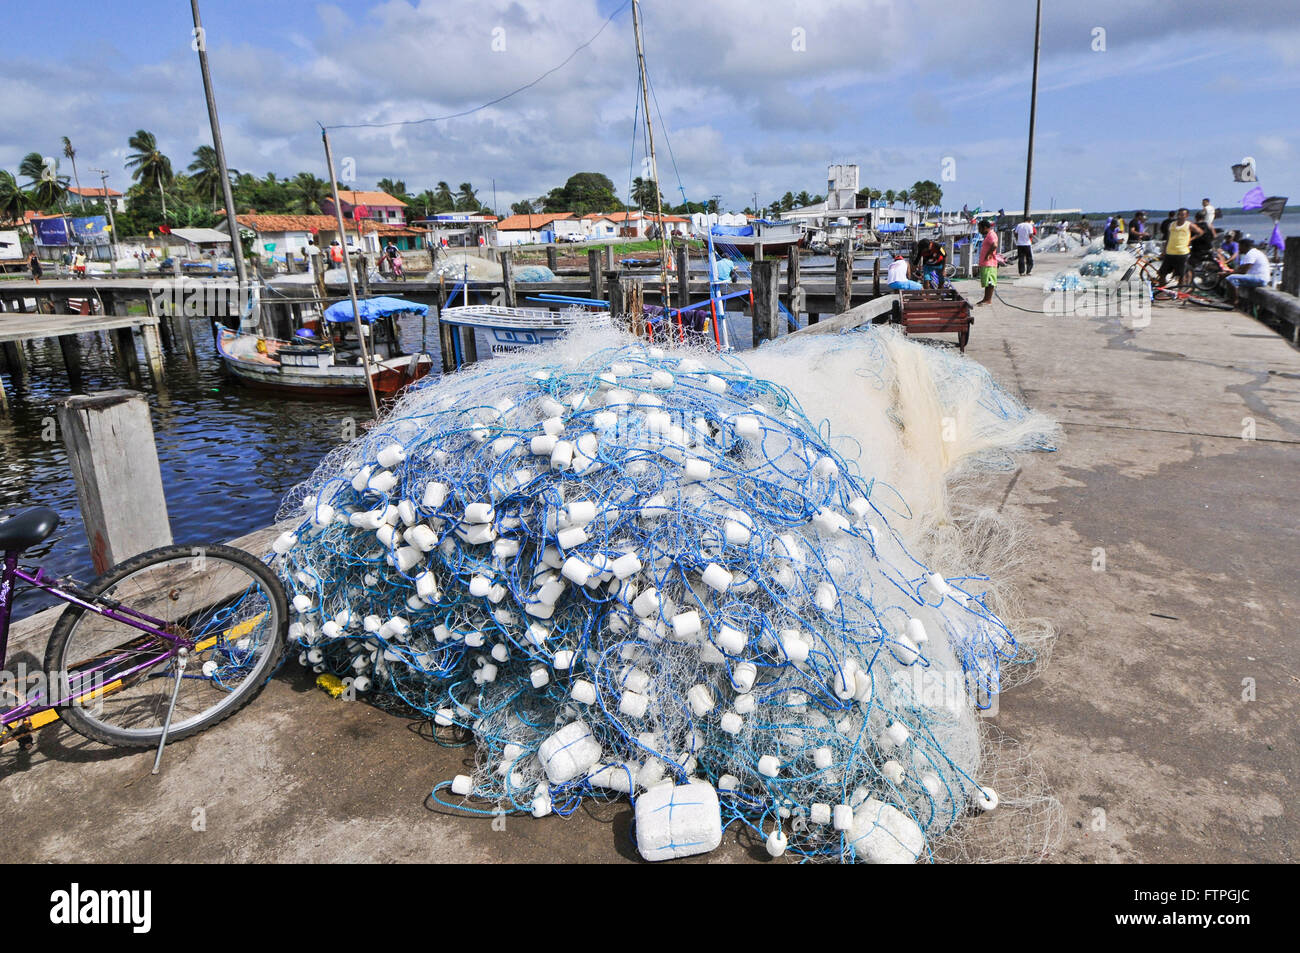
x,y
616,291
363,275
446,342
634,304
844,278
610,263
1291,266
508,277
594,275
794,286
552,257
875,277
468,346
766,284
111,452
71,349
152,352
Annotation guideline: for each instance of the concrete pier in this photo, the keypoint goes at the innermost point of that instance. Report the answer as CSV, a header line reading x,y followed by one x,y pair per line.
x,y
1165,722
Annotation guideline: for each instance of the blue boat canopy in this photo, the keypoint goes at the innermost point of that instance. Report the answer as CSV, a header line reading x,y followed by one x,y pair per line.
x,y
372,308
890,227
737,230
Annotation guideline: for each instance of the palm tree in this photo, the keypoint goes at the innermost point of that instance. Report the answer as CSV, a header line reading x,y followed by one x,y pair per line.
x,y
44,184
889,196
309,193
207,174
71,154
426,200
803,199
149,165
466,200
13,200
446,200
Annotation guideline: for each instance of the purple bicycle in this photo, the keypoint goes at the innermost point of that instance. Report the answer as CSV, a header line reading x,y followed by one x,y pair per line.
x,y
160,647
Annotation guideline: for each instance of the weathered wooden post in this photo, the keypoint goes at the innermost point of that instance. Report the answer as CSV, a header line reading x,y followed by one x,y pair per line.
x,y
844,278
794,286
508,278
683,275
124,347
593,273
318,267
610,264
766,284
615,289
634,304
468,346
363,274
1291,266
875,277
446,342
552,257
114,462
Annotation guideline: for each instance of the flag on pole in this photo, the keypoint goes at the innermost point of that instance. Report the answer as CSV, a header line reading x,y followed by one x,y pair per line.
x,y
1253,199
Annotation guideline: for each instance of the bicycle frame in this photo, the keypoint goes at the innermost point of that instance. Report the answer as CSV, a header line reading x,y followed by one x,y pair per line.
x,y
10,576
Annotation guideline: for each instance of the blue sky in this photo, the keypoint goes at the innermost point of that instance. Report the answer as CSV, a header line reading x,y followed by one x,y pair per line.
x,y
755,95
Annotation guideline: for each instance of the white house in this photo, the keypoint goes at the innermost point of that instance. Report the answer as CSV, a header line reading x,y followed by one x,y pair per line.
x,y
93,196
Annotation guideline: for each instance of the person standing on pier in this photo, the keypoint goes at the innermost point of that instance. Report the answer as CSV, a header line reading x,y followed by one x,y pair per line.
x,y
988,260
1178,248
1209,210
336,254
1137,230
34,263
1024,233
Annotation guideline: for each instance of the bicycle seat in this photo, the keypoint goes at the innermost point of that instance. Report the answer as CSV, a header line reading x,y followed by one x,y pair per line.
x,y
27,529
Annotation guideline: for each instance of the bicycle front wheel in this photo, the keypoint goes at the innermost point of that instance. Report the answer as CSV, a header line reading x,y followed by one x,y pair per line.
x,y
227,616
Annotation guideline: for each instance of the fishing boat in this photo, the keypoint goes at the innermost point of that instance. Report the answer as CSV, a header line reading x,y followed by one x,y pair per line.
x,y
774,237
510,330
327,360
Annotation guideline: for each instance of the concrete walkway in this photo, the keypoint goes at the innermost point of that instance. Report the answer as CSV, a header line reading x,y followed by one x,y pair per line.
x,y
1166,722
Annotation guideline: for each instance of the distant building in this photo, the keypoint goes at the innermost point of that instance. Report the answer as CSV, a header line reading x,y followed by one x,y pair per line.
x,y
536,229
276,235
117,199
460,229
841,187
380,206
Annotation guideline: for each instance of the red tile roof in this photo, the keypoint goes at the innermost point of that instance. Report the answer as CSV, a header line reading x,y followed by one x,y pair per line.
x,y
519,223
96,193
359,197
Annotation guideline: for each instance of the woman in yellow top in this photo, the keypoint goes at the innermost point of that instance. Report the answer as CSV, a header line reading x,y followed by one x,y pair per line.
x,y
1178,248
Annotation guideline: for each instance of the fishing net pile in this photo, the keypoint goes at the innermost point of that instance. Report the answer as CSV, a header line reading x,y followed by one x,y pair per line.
x,y
632,572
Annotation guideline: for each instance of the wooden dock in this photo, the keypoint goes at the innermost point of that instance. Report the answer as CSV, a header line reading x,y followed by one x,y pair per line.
x,y
105,306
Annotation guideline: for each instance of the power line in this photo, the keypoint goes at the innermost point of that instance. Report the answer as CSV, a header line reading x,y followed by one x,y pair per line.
x,y
499,99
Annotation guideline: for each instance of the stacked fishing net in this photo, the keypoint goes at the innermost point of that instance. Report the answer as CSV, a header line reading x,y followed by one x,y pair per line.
x,y
632,572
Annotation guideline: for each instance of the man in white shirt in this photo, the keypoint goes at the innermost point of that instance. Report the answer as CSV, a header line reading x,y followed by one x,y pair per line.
x,y
1252,271
1024,234
1210,211
897,277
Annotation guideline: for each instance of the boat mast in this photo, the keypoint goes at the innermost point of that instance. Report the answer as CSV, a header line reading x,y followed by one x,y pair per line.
x,y
227,194
1033,105
654,166
347,271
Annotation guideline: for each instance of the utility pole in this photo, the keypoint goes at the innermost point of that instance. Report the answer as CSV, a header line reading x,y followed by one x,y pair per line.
x,y
654,165
112,225
236,247
347,271
1033,104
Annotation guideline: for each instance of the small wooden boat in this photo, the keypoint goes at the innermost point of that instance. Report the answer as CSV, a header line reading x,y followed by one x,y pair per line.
x,y
329,365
